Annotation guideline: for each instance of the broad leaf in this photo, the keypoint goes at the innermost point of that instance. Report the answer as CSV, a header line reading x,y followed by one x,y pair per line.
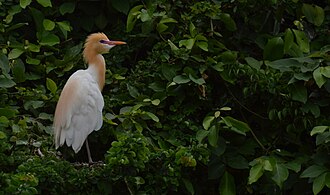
x,y
67,7
318,77
253,63
121,6
15,53
213,136
4,63
201,134
188,43
24,3
313,171
51,85
152,116
207,122
181,79
18,71
236,125
298,92
6,82
189,186
280,174
132,17
274,49
319,183
318,130
255,173
48,24
313,13
302,40
227,184
45,3
132,91
50,40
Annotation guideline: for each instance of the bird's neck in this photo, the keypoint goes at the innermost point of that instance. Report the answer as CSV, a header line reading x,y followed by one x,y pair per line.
x,y
96,64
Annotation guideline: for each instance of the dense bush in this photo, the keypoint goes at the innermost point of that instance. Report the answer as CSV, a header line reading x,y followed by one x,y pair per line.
x,y
208,97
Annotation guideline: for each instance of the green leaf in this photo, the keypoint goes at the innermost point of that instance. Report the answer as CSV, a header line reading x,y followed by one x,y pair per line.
x,y
298,92
213,136
228,21
284,64
181,79
201,134
51,85
6,82
189,186
327,180
228,56
4,63
15,53
274,49
192,30
188,43
65,25
32,61
280,174
144,16
313,13
33,48
199,81
132,91
288,40
161,27
2,135
67,7
155,102
253,63
24,3
313,171
132,17
319,183
50,40
325,71
48,24
255,173
207,122
318,77
236,125
4,121
318,130
203,45
45,3
152,116
227,184
18,71
302,40
121,6
101,21
294,166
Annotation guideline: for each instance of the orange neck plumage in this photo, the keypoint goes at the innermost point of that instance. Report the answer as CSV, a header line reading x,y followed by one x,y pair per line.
x,y
97,63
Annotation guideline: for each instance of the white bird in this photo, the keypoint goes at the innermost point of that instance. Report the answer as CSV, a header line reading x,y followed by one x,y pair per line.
x,y
79,108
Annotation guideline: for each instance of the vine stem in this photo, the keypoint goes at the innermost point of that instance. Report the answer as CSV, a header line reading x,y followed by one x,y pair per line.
x,y
252,132
129,189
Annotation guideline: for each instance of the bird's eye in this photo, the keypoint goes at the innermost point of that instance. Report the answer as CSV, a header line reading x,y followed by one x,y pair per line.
x,y
102,41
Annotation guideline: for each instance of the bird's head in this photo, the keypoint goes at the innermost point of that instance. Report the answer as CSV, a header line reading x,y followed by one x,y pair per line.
x,y
98,43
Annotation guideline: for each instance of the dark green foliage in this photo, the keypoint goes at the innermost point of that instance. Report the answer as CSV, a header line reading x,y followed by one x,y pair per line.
x,y
208,97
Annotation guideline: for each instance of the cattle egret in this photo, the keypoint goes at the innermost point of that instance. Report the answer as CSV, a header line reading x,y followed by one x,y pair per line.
x,y
79,108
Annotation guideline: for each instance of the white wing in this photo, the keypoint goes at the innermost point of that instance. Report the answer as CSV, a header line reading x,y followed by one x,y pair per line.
x,y
78,111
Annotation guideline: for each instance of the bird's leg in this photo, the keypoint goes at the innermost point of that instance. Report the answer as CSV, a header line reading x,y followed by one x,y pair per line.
x,y
88,152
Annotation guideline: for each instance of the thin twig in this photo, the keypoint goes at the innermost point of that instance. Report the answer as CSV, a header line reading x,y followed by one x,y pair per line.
x,y
246,108
129,189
